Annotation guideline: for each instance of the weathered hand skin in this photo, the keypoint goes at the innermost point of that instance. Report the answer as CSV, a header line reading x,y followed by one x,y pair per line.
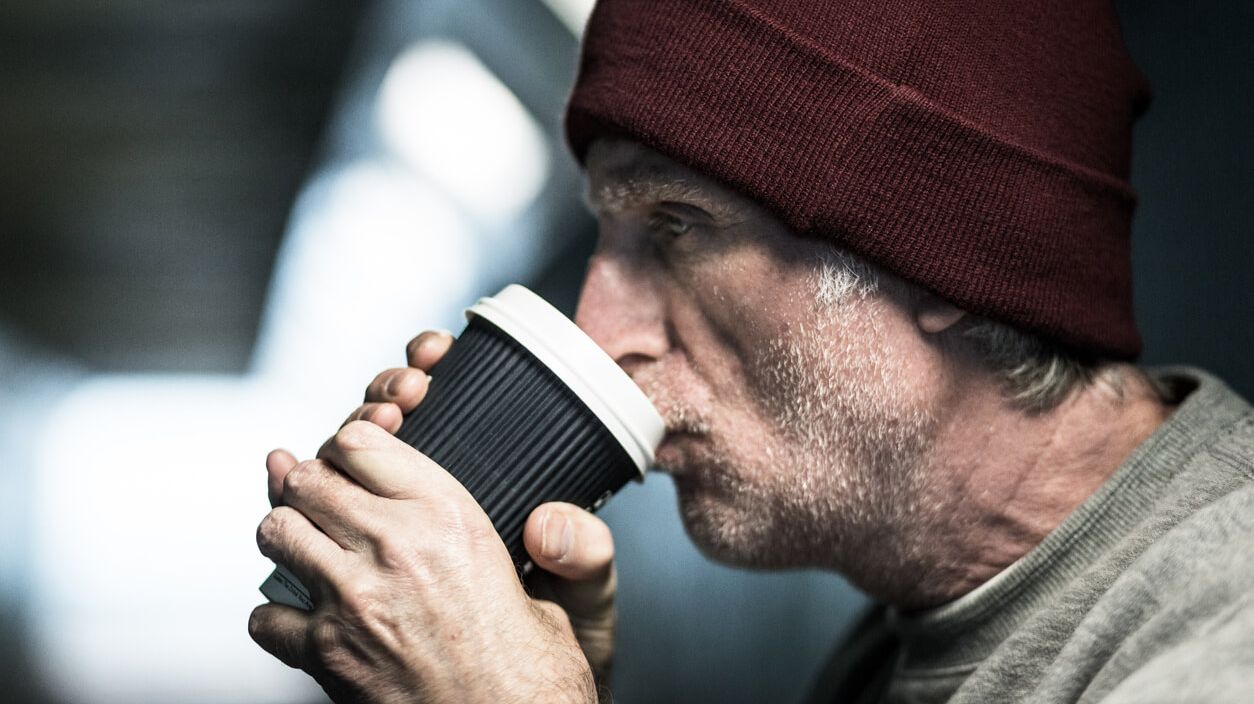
x,y
416,597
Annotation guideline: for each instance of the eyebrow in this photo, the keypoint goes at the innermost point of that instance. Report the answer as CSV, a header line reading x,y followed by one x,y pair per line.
x,y
640,184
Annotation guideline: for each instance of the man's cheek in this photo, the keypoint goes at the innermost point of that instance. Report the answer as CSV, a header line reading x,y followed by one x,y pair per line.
x,y
741,318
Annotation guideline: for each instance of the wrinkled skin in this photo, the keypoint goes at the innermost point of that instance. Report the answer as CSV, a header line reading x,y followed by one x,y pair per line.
x,y
797,416
417,599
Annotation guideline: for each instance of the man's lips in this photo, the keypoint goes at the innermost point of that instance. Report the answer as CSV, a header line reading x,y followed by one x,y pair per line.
x,y
674,453
667,459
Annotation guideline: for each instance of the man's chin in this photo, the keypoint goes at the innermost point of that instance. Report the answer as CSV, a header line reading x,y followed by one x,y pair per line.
x,y
724,532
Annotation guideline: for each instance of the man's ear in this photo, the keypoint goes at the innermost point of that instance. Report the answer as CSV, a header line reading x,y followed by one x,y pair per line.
x,y
933,314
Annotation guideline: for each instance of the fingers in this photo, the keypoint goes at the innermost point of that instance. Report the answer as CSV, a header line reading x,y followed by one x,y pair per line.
x,y
286,536
395,392
403,387
280,630
386,466
428,348
384,415
336,505
278,464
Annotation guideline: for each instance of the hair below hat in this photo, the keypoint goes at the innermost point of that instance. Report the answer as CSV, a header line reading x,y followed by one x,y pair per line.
x,y
980,149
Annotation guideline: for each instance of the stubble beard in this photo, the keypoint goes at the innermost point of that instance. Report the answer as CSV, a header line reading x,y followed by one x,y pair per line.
x,y
831,475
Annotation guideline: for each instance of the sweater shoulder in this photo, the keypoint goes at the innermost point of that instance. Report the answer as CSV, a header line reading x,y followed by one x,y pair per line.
x,y
1173,607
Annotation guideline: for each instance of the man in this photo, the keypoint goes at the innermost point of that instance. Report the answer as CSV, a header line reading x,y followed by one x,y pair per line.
x,y
870,261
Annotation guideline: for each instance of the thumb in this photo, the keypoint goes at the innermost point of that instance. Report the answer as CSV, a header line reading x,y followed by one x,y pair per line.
x,y
576,549
575,553
569,542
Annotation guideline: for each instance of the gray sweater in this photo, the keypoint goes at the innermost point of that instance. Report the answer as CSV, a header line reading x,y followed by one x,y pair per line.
x,y
1144,594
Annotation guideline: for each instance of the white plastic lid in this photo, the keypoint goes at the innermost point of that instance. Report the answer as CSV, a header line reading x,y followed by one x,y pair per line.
x,y
579,362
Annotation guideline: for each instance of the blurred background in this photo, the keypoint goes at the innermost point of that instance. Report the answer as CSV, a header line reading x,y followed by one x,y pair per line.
x,y
220,219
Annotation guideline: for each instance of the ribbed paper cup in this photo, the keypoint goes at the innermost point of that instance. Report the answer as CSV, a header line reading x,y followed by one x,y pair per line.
x,y
524,409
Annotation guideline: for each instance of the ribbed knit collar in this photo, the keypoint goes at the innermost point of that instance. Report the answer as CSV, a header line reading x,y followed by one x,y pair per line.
x,y
955,637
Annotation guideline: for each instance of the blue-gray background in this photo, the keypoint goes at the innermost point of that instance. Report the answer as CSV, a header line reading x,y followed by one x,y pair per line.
x,y
180,178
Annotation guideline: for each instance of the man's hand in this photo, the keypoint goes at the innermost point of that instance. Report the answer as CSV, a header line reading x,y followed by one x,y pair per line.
x,y
572,548
417,598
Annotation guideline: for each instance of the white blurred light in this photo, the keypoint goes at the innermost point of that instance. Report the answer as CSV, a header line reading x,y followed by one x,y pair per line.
x,y
441,110
572,13
143,505
373,256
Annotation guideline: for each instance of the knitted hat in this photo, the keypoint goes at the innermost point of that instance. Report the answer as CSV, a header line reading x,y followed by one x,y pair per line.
x,y
978,148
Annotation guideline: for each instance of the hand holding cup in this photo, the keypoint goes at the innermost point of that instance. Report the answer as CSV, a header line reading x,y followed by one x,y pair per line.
x,y
573,549
536,426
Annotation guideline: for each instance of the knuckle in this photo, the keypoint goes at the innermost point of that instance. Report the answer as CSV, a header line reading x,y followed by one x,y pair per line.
x,y
298,475
256,624
325,637
301,479
362,605
482,535
353,600
397,554
466,524
355,436
271,529
415,561
330,639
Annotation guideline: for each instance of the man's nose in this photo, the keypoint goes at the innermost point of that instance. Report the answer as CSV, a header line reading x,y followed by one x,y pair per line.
x,y
623,311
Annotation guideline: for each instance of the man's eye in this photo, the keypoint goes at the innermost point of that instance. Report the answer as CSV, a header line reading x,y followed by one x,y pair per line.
x,y
669,224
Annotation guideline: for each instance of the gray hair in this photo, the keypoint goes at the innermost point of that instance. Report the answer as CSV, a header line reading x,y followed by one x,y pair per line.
x,y
1036,374
843,275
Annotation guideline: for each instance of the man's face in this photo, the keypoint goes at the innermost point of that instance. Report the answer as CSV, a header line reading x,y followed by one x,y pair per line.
x,y
797,412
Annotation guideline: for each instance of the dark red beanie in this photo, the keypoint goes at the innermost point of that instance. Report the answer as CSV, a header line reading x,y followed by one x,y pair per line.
x,y
980,149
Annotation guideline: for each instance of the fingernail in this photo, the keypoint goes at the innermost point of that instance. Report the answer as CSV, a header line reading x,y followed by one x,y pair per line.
x,y
393,381
559,536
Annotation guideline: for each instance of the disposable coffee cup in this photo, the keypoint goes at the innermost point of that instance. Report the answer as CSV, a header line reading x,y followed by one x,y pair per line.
x,y
524,409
